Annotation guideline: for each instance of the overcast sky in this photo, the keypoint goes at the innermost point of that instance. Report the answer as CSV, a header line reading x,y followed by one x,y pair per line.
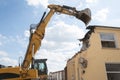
x,y
60,42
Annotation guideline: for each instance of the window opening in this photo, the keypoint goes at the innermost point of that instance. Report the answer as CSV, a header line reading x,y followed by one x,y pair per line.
x,y
113,71
107,40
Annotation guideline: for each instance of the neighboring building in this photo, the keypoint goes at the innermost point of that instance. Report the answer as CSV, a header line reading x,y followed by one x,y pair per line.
x,y
59,75
99,57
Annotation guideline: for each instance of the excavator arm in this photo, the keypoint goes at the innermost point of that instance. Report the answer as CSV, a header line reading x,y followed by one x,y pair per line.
x,y
38,34
35,40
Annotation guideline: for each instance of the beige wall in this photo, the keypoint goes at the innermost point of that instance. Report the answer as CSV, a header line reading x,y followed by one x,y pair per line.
x,y
96,57
71,69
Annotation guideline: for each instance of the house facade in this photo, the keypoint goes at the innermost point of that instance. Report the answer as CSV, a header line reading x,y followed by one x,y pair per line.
x,y
99,57
58,75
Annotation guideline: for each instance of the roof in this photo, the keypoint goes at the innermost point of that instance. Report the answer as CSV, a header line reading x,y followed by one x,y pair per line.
x,y
93,26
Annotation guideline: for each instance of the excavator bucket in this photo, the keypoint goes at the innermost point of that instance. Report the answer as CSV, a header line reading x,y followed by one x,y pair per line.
x,y
84,15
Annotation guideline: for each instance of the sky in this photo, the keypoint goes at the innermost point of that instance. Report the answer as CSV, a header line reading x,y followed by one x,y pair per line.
x,y
62,33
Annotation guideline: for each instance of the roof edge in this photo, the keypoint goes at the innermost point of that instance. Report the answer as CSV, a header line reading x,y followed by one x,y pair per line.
x,y
93,26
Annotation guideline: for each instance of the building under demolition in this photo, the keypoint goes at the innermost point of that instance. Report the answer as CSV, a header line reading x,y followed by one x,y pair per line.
x,y
99,57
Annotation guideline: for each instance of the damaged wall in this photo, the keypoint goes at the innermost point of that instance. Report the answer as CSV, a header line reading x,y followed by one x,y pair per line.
x,y
85,40
90,61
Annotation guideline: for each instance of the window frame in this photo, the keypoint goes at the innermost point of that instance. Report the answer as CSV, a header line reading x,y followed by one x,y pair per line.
x,y
111,72
108,40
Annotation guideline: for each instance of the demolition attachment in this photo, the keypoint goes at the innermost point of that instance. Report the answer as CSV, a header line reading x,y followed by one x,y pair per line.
x,y
84,15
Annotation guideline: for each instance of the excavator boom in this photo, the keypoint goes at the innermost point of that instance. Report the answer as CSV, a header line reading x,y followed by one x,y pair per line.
x,y
38,35
35,40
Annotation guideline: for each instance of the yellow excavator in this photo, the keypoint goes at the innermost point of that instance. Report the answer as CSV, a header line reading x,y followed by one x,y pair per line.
x,y
36,69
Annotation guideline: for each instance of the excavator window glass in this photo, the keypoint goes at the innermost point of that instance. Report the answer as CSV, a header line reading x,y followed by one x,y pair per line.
x,y
35,66
41,66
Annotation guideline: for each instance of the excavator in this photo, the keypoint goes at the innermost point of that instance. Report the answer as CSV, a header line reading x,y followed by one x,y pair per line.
x,y
36,69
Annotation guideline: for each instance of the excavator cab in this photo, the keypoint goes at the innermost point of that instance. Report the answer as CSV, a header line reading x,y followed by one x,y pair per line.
x,y
41,66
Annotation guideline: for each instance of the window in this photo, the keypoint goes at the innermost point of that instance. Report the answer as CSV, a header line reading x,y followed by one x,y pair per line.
x,y
107,40
113,71
41,66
